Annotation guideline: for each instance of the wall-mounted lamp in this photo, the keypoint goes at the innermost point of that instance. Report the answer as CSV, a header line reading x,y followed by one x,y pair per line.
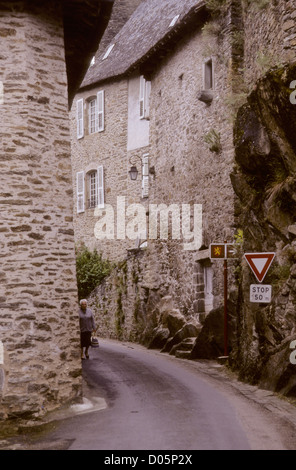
x,y
133,171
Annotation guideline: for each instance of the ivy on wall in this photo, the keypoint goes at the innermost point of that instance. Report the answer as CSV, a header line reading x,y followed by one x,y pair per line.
x,y
91,269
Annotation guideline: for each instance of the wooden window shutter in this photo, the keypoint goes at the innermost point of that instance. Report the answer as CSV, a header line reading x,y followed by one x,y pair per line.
x,y
101,110
79,119
142,97
145,175
147,98
100,183
80,191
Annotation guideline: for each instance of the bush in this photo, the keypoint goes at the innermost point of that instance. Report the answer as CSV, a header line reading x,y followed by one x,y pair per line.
x,y
91,270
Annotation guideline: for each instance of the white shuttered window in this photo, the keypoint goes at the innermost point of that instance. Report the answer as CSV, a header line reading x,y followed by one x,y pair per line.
x,y
144,98
101,110
79,119
80,191
100,179
145,175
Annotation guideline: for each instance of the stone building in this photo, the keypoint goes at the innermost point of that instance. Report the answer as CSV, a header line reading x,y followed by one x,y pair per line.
x,y
156,98
46,48
221,80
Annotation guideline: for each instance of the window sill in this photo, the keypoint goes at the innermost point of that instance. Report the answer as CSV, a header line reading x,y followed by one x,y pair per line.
x,y
206,96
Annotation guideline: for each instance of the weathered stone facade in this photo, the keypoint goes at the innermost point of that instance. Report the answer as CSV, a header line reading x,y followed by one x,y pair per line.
x,y
184,169
40,365
243,185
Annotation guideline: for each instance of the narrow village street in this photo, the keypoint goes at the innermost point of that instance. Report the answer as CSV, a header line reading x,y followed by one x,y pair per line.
x,y
139,399
148,170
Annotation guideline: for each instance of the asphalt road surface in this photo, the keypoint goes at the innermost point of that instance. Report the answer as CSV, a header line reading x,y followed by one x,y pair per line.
x,y
148,401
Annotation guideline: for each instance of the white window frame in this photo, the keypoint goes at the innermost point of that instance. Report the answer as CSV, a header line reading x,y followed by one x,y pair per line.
x,y
144,98
93,189
80,192
145,175
80,118
93,116
101,110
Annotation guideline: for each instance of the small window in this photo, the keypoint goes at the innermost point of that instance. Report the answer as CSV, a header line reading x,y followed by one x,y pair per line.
x,y
108,51
93,116
208,75
93,189
96,188
90,189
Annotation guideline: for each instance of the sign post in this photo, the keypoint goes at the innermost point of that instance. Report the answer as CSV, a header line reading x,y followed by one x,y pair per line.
x,y
225,308
224,251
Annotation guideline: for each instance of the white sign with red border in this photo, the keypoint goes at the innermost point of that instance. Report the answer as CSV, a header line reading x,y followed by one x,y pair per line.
x,y
260,293
259,263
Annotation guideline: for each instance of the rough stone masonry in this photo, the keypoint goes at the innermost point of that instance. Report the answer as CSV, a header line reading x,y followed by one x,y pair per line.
x,y
40,363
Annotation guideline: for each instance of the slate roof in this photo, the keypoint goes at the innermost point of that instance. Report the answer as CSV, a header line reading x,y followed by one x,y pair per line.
x,y
146,34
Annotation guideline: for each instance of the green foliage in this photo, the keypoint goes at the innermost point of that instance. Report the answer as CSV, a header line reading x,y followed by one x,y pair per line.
x,y
217,7
239,238
265,60
238,247
91,269
213,139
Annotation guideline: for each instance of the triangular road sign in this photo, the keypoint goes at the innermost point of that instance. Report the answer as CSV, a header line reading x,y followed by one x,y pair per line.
x,y
259,263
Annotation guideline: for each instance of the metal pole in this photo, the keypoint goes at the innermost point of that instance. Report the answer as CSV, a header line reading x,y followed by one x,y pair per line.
x,y
225,308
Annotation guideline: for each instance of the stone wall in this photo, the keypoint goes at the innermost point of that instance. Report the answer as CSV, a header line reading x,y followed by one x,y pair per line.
x,y
38,298
271,25
186,170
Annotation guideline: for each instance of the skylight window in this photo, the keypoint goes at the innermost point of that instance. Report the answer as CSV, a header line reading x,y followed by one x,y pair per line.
x,y
92,62
174,21
107,53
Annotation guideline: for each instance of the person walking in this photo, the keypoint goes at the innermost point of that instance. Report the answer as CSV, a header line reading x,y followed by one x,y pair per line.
x,y
87,326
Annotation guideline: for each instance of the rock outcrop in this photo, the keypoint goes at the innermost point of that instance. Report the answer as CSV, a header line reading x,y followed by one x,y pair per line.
x,y
264,181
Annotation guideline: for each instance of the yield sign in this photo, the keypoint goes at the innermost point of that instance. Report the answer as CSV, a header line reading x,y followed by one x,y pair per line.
x,y
259,263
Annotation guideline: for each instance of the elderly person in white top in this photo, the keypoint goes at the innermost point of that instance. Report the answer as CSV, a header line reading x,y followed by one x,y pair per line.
x,y
87,326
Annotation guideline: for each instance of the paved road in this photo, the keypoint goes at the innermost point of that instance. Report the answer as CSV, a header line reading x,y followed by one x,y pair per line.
x,y
152,401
